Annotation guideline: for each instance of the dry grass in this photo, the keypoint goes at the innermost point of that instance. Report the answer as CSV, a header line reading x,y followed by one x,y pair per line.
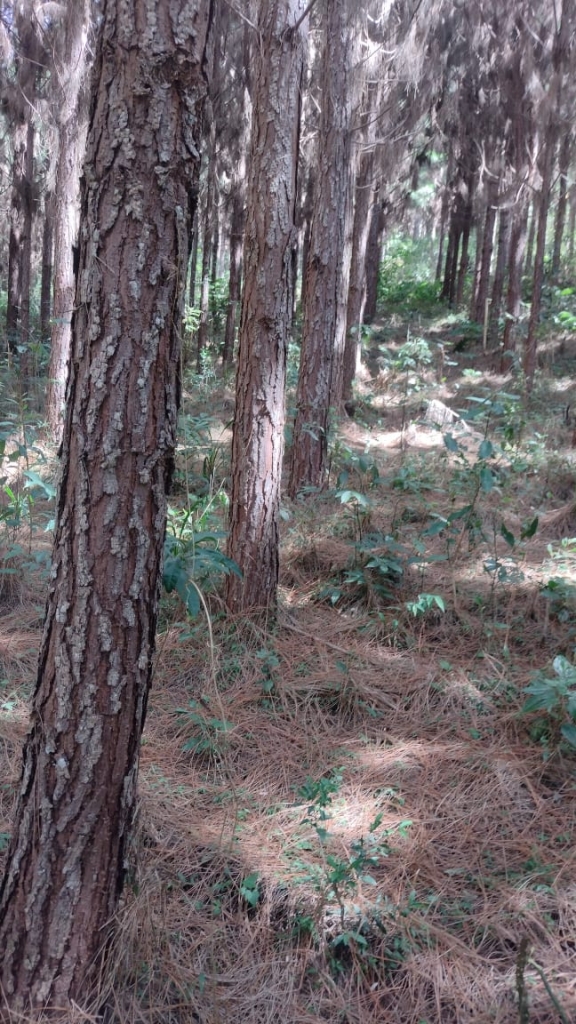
x,y
420,719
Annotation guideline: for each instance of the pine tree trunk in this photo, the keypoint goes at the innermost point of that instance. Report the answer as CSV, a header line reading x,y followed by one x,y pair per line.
x,y
514,295
320,360
16,236
499,275
563,167
207,235
26,254
71,100
357,287
66,862
235,280
483,287
541,208
258,440
374,256
529,257
444,210
47,268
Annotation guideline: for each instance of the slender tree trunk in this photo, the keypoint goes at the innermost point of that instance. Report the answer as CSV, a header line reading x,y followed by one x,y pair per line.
x,y
563,167
207,236
541,208
71,102
16,236
445,209
258,440
26,255
66,862
572,224
47,268
374,256
514,295
499,274
487,248
305,220
529,258
235,280
193,263
320,361
467,217
357,288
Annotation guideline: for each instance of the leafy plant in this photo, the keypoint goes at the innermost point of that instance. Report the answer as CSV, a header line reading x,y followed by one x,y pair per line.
x,y
209,734
193,559
556,695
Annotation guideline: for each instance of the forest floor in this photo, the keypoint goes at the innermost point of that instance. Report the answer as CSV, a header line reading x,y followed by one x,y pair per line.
x,y
348,815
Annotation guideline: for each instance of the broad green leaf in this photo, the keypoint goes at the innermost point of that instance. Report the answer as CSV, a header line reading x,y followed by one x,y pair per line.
x,y
486,479
508,536
451,443
529,530
486,449
569,734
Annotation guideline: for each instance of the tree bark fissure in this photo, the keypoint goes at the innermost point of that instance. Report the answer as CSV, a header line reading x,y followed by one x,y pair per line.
x,y
67,859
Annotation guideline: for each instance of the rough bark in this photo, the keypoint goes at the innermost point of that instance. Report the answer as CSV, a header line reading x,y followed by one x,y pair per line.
x,y
258,439
67,857
17,235
321,355
541,208
71,104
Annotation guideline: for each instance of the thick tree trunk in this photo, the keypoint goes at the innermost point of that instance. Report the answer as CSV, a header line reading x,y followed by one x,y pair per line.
x,y
26,255
67,857
258,440
71,102
320,360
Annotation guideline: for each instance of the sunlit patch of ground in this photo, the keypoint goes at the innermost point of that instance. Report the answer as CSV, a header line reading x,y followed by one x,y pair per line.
x,y
358,731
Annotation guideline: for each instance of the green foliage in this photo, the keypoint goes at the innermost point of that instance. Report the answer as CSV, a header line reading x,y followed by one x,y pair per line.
x,y
556,695
425,603
209,734
404,282
193,561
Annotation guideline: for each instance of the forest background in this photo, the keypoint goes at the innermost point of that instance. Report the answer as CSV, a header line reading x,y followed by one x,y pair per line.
x,y
356,782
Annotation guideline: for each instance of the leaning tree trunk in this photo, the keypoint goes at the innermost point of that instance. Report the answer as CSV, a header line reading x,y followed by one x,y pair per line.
x,y
71,102
258,440
320,364
67,857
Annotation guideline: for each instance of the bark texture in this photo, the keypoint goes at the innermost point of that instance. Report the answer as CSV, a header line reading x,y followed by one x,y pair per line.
x,y
67,857
258,440
327,266
71,102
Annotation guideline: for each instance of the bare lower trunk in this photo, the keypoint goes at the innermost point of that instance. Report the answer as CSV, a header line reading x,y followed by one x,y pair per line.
x,y
235,281
16,237
373,256
563,167
483,287
357,287
70,99
499,275
258,441
68,853
321,353
514,295
541,209
47,268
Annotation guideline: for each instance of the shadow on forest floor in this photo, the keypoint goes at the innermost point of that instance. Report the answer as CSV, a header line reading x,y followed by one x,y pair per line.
x,y
346,816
